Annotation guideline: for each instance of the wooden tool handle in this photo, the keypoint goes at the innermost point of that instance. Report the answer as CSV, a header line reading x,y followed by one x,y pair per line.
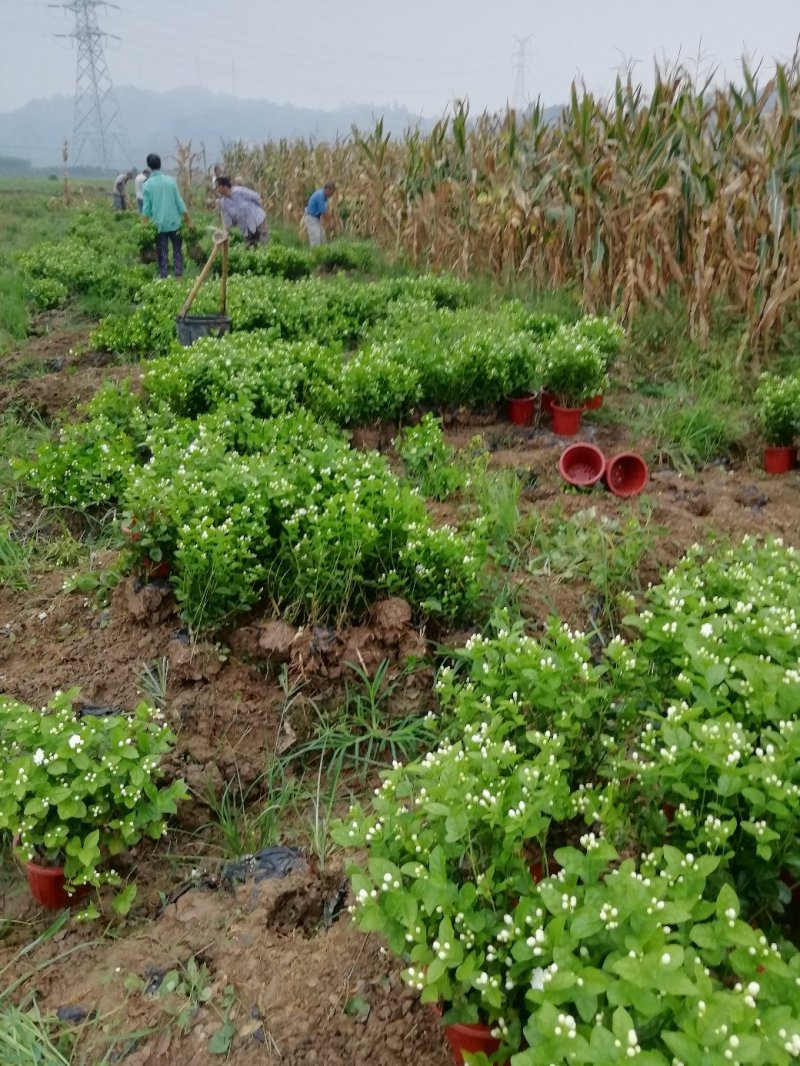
x,y
184,311
223,297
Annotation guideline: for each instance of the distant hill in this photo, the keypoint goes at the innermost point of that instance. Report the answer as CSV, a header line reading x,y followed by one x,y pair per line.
x,y
153,120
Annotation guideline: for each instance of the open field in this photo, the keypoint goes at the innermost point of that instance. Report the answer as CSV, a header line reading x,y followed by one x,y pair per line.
x,y
319,552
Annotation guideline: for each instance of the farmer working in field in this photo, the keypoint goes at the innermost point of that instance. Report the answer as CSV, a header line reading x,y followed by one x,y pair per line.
x,y
242,207
139,187
119,195
317,213
164,205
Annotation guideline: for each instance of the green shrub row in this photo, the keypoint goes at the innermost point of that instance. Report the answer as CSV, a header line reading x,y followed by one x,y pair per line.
x,y
656,783
249,509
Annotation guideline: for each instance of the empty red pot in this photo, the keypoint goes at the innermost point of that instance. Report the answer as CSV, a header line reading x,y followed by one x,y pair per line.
x,y
779,460
566,420
626,474
471,1038
595,402
47,886
582,464
520,409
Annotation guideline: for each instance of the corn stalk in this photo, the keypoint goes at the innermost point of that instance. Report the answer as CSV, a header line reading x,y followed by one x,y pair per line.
x,y
690,190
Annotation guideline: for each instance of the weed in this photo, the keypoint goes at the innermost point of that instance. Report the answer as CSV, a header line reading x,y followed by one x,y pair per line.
x,y
26,1037
606,552
98,585
688,433
14,559
362,735
322,813
251,818
497,495
183,991
152,679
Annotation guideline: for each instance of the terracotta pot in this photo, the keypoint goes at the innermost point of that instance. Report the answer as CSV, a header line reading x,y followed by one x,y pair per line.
x,y
595,403
546,401
626,474
520,409
47,886
582,465
154,570
779,460
472,1038
566,420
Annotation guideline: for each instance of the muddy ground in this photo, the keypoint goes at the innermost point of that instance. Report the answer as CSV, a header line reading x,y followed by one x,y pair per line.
x,y
309,987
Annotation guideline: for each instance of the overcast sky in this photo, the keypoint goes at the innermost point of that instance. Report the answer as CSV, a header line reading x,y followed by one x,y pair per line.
x,y
420,53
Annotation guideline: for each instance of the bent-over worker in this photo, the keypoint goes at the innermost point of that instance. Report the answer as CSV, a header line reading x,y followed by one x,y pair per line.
x,y
317,213
119,194
242,207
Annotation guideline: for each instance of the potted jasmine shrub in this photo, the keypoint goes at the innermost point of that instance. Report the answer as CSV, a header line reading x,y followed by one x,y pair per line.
x,y
521,359
573,371
75,791
447,836
778,410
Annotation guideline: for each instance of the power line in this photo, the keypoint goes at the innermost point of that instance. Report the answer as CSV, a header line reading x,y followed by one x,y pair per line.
x,y
98,133
520,68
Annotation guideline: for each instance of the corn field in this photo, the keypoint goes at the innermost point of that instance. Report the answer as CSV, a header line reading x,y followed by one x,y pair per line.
x,y
689,188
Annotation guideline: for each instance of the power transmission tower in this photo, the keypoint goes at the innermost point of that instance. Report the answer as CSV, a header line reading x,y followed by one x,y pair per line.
x,y
520,68
98,135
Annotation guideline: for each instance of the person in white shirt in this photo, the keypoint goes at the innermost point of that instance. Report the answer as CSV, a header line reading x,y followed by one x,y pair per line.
x,y
119,195
242,207
139,187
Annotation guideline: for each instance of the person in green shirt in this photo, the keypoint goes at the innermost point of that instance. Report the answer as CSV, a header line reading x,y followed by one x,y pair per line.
x,y
164,204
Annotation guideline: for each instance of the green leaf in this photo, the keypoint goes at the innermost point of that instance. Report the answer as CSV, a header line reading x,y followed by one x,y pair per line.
x,y
220,1042
357,1008
71,808
123,901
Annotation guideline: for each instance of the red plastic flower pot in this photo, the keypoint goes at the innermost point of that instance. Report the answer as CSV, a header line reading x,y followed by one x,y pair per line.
x,y
582,464
154,570
520,409
546,402
779,460
47,886
471,1038
595,403
566,420
626,474
131,533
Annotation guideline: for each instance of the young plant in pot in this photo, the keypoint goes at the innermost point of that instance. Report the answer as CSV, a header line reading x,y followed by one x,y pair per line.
x,y
521,359
574,372
76,791
446,838
778,410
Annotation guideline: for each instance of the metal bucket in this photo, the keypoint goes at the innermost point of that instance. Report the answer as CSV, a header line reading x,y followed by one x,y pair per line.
x,y
193,327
